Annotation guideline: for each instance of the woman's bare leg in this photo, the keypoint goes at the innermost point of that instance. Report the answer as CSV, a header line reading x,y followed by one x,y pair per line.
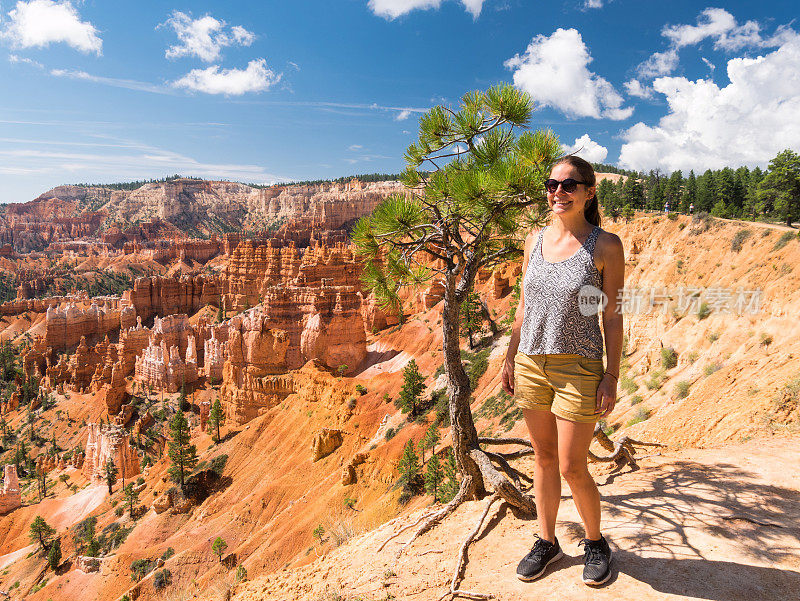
x,y
573,447
546,479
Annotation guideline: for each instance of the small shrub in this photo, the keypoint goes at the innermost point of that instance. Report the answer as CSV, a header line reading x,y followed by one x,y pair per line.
x,y
607,430
711,368
704,311
656,380
351,403
349,503
766,339
139,569
642,414
669,358
785,238
387,398
361,389
628,385
682,389
217,464
692,357
681,225
390,432
672,216
713,337
739,238
162,579
241,574
168,553
119,511
636,399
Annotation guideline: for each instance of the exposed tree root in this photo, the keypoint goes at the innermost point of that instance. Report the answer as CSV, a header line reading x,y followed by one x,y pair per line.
x,y
399,532
462,558
520,441
622,450
463,494
511,472
501,485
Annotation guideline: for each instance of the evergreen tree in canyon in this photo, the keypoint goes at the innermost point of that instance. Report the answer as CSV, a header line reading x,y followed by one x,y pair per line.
x,y
182,454
474,187
216,419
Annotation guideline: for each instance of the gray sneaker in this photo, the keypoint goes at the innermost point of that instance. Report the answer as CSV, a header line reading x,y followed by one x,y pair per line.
x,y
596,561
538,558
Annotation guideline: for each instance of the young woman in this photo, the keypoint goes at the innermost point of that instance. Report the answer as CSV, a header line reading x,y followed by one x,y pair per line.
x,y
554,364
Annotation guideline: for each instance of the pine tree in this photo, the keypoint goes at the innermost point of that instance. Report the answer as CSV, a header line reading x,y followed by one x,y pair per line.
x,y
450,486
471,316
433,477
218,547
54,554
110,472
182,454
430,439
779,191
41,479
216,419
689,195
41,532
413,386
131,497
182,402
21,455
409,467
470,211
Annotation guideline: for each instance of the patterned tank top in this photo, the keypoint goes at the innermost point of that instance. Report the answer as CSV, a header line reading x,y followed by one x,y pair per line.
x,y
561,303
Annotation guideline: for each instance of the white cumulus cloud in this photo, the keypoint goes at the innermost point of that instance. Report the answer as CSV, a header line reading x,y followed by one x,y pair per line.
x,y
635,88
588,149
718,24
391,9
39,23
204,37
746,122
403,115
659,63
554,71
257,77
713,23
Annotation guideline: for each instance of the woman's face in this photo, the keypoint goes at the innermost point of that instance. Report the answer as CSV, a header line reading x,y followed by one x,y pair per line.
x,y
562,203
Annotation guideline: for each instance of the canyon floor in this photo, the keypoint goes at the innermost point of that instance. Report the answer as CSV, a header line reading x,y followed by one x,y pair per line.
x,y
717,523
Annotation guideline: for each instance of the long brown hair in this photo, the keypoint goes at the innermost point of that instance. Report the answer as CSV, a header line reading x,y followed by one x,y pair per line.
x,y
586,171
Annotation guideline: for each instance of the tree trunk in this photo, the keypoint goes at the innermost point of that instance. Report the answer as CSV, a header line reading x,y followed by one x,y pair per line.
x,y
464,435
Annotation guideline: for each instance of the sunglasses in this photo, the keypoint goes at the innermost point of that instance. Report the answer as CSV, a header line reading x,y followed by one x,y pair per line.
x,y
569,185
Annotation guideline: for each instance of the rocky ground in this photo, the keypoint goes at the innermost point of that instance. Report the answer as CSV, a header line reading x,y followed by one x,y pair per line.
x,y
718,523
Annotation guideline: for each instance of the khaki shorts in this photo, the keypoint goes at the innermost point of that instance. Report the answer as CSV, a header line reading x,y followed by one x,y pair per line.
x,y
564,384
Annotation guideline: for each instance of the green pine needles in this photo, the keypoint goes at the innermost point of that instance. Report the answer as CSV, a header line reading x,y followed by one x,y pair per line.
x,y
182,454
470,181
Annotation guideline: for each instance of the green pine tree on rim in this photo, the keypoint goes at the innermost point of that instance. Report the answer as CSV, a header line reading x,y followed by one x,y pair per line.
x,y
473,188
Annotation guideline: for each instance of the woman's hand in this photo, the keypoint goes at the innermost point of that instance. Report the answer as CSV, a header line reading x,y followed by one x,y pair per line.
x,y
508,375
606,395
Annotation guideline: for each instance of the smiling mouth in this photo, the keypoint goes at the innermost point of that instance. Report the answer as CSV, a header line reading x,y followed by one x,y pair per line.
x,y
563,204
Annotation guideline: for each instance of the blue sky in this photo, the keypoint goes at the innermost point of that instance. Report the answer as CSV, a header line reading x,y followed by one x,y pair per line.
x,y
272,91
